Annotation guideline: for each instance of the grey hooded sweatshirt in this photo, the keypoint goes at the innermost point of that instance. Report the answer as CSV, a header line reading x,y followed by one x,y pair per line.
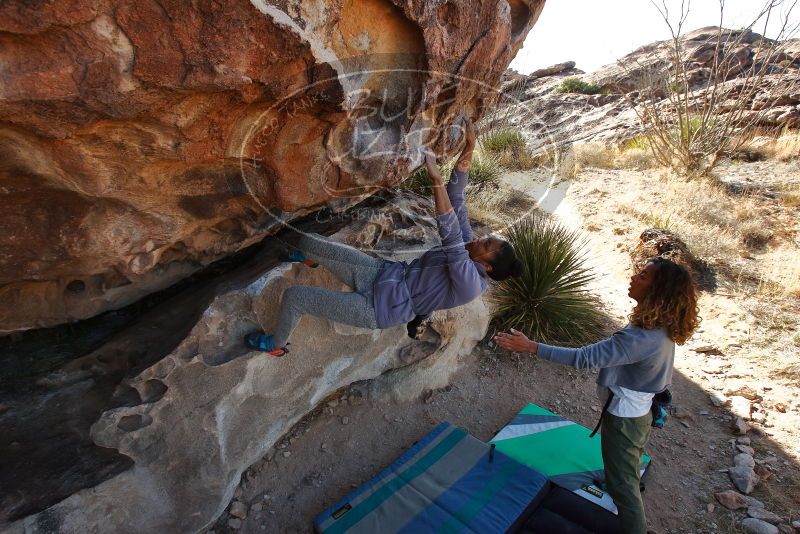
x,y
635,358
442,278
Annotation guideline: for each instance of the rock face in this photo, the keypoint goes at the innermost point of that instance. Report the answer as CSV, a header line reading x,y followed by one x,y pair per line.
x,y
210,409
140,140
610,118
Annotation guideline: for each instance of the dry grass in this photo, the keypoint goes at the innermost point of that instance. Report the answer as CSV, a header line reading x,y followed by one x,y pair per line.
x,y
496,207
700,212
517,159
595,156
723,228
790,196
628,156
782,267
636,158
786,147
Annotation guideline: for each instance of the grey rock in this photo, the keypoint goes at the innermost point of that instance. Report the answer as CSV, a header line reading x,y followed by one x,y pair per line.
x,y
235,523
743,440
740,427
257,507
764,515
238,509
179,453
719,400
753,502
550,71
756,526
743,459
744,478
746,449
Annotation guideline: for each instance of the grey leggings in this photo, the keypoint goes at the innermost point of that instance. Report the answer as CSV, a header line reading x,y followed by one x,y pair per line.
x,y
351,266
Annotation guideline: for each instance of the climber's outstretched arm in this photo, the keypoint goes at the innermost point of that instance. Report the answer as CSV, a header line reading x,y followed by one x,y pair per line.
x,y
440,197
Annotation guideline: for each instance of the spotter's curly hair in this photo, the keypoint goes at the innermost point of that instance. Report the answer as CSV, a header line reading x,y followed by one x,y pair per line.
x,y
671,302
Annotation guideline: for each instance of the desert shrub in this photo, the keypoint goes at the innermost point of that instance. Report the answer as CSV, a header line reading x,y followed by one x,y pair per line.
x,y
690,131
550,301
637,159
498,141
419,182
595,155
657,220
510,148
787,146
518,160
496,206
576,85
485,169
753,235
690,128
640,142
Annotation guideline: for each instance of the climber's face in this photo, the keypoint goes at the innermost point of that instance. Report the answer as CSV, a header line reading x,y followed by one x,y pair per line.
x,y
483,250
641,282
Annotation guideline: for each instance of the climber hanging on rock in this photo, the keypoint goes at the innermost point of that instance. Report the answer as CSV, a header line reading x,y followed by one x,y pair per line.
x,y
390,293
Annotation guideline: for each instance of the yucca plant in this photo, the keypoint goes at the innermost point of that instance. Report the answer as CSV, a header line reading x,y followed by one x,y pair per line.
x,y
550,301
419,182
484,169
500,140
509,146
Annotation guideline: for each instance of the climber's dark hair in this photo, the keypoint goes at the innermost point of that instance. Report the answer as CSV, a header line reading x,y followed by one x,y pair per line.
x,y
505,263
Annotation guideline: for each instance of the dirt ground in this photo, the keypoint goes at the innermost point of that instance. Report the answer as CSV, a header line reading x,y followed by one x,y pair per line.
x,y
351,438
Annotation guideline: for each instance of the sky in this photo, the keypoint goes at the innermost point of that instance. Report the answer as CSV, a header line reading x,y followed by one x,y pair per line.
x,y
594,33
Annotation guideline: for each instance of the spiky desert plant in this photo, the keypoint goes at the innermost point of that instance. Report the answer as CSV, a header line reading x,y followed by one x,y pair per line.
x,y
485,169
497,141
550,301
419,182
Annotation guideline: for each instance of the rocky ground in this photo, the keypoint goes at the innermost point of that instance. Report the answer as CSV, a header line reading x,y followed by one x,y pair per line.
x,y
728,461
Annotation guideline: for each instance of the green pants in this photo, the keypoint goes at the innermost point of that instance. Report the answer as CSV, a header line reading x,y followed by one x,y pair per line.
x,y
623,440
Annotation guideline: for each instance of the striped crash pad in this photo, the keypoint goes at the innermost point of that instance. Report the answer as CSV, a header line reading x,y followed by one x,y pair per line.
x,y
561,450
447,482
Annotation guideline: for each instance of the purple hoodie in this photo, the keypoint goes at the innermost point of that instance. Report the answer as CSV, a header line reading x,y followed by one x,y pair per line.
x,y
444,277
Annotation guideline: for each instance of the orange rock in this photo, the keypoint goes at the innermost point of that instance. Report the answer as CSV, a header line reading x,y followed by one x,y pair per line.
x,y
140,140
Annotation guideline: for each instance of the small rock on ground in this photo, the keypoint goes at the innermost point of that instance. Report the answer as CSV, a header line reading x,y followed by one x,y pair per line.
x,y
740,427
236,524
764,515
753,502
744,459
744,478
238,509
731,500
756,526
